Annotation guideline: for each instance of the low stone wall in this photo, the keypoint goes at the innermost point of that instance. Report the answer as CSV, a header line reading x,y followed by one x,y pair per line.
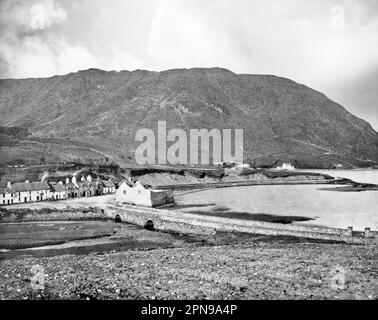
x,y
167,220
28,215
212,185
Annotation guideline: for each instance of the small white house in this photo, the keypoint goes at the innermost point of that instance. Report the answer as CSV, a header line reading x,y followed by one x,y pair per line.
x,y
138,195
242,165
58,191
108,187
6,196
286,166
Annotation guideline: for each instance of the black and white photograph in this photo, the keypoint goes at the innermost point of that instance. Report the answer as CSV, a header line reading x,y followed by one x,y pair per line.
x,y
203,152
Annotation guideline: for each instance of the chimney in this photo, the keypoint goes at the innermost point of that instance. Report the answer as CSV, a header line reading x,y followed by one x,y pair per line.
x,y
89,178
9,184
67,180
82,178
74,180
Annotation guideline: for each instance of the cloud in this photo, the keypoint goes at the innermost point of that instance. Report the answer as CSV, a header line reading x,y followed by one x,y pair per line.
x,y
26,46
180,36
31,15
35,41
45,14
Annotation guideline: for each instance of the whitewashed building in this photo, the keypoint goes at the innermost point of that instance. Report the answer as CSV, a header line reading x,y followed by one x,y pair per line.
x,y
108,187
286,166
58,191
137,194
6,196
29,191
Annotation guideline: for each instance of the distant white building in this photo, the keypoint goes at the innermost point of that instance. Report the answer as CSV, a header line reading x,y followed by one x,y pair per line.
x,y
286,166
242,165
238,165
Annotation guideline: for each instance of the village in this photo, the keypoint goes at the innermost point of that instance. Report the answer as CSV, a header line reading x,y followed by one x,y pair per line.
x,y
126,191
24,192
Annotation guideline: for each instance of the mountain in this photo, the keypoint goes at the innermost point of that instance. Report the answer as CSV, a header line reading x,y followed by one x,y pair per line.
x,y
95,114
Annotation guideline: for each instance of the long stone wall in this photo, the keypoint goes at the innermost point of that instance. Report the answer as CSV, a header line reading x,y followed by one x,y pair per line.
x,y
212,185
167,220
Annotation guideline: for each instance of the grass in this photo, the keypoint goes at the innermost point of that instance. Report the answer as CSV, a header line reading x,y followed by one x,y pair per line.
x,y
28,235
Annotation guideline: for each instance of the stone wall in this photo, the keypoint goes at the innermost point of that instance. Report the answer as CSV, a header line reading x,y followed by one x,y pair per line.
x,y
167,220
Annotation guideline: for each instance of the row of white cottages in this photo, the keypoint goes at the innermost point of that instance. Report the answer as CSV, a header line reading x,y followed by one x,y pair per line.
x,y
23,192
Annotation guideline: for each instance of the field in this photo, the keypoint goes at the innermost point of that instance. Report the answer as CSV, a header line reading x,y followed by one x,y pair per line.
x,y
38,234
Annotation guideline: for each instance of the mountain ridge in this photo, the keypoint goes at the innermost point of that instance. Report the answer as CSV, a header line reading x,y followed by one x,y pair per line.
x,y
282,120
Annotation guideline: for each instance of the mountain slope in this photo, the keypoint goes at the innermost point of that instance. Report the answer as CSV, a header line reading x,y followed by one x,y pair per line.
x,y
282,120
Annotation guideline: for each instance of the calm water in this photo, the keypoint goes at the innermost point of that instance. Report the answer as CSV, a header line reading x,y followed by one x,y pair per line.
x,y
327,208
367,176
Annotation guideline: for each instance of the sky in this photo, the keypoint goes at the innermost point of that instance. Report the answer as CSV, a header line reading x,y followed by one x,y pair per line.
x,y
329,45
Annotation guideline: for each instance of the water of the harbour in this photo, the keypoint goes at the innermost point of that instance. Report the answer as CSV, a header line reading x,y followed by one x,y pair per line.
x,y
326,208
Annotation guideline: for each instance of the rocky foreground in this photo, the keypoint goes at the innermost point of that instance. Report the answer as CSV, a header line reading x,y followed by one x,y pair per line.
x,y
256,270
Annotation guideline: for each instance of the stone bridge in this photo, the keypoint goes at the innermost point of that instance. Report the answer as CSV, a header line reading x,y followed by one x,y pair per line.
x,y
180,222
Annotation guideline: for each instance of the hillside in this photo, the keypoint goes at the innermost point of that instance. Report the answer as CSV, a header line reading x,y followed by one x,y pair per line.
x,y
95,114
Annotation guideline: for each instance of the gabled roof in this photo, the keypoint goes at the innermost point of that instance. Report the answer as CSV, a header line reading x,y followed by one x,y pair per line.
x,y
108,183
5,190
70,186
27,186
84,183
58,187
52,179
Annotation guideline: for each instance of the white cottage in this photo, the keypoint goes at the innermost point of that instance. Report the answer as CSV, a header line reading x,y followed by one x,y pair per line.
x,y
58,191
29,191
138,195
6,196
286,166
